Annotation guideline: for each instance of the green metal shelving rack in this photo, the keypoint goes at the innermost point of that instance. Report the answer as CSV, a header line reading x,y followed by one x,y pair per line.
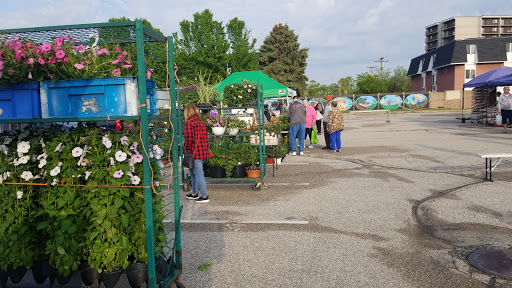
x,y
186,181
135,32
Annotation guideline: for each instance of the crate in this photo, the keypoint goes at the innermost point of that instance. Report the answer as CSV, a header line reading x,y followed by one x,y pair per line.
x,y
20,101
93,97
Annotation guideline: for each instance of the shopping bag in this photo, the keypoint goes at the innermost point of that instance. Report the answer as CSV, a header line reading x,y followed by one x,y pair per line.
x,y
499,120
314,139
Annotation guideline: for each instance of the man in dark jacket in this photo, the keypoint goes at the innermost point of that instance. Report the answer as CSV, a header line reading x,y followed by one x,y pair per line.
x,y
297,115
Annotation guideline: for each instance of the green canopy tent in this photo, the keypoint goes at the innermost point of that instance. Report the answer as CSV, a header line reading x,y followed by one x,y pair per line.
x,y
271,88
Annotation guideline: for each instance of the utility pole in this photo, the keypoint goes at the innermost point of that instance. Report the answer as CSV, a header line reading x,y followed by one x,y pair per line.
x,y
381,60
371,69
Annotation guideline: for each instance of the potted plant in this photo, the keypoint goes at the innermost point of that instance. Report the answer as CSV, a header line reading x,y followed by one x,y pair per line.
x,y
216,123
240,94
218,159
239,152
235,125
253,168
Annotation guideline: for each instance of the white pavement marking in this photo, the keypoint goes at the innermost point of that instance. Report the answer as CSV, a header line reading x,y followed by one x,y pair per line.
x,y
289,222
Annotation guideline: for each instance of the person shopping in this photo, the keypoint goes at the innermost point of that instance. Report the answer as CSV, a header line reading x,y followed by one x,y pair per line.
x,y
319,109
310,121
327,108
505,107
196,142
335,125
297,115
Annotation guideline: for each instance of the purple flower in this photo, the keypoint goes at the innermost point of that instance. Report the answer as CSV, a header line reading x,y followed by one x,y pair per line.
x,y
118,174
124,140
136,158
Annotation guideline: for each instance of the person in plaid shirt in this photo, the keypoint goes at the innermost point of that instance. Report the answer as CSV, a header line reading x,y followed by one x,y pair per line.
x,y
196,142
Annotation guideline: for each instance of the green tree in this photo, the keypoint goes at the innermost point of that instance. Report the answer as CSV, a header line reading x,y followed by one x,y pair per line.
x,y
201,46
243,56
282,59
399,82
367,83
347,85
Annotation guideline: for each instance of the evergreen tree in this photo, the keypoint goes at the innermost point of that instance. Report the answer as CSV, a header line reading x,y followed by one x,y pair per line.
x,y
243,56
201,48
282,59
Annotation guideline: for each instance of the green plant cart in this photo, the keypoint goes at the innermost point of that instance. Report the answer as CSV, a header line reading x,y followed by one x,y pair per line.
x,y
259,111
159,209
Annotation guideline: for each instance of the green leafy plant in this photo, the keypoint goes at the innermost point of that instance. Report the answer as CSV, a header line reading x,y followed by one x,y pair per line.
x,y
204,266
235,123
207,93
188,94
236,95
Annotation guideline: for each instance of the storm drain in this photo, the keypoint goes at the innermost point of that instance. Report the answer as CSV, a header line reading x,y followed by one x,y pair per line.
x,y
497,262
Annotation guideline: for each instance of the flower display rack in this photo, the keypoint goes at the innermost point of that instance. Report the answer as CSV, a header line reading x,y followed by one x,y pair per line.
x,y
241,138
113,177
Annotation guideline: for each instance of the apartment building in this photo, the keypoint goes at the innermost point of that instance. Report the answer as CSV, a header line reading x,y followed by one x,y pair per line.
x,y
451,65
463,27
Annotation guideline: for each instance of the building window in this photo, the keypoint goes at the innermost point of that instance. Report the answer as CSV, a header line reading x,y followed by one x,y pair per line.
x,y
509,47
423,82
470,73
470,49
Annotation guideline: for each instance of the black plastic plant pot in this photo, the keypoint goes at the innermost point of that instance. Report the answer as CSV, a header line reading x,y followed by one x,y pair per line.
x,y
63,280
137,274
3,278
89,276
17,274
110,279
161,268
239,171
41,270
217,172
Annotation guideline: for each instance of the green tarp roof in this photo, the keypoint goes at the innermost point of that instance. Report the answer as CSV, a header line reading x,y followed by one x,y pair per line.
x,y
271,88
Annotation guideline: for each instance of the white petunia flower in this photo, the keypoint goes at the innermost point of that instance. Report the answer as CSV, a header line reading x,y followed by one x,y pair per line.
x,y
55,181
87,174
4,149
42,156
161,164
112,163
15,162
60,164
135,180
1,179
58,148
41,163
55,171
23,147
42,143
106,142
77,152
24,160
7,140
120,156
27,175
19,194
7,175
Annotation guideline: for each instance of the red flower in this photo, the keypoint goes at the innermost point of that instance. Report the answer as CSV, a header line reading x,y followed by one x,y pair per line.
x,y
223,156
211,155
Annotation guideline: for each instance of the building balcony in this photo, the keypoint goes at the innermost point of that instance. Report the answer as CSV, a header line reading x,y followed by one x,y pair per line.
x,y
507,22
428,40
491,22
490,31
427,33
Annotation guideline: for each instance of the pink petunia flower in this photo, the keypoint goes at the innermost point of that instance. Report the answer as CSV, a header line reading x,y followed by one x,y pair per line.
x,y
124,53
124,140
120,58
103,51
136,158
19,55
41,61
115,62
29,75
52,61
148,73
118,174
116,72
1,65
66,59
60,54
30,45
1,73
79,66
46,47
118,50
127,66
10,71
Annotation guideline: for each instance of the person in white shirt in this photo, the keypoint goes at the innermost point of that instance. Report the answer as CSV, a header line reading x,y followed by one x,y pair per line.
x,y
505,107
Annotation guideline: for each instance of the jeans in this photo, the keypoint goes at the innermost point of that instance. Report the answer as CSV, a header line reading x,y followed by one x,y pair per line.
x,y
197,175
297,131
326,136
335,140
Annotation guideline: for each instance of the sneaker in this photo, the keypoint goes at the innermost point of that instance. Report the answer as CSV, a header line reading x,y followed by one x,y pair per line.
x,y
326,148
192,196
203,200
333,150
338,150
301,153
310,146
293,153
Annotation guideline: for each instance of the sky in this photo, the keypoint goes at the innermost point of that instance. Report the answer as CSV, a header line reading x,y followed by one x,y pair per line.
x,y
344,37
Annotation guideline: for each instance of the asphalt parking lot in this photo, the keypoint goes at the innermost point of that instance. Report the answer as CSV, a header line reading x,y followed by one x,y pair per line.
x,y
402,205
